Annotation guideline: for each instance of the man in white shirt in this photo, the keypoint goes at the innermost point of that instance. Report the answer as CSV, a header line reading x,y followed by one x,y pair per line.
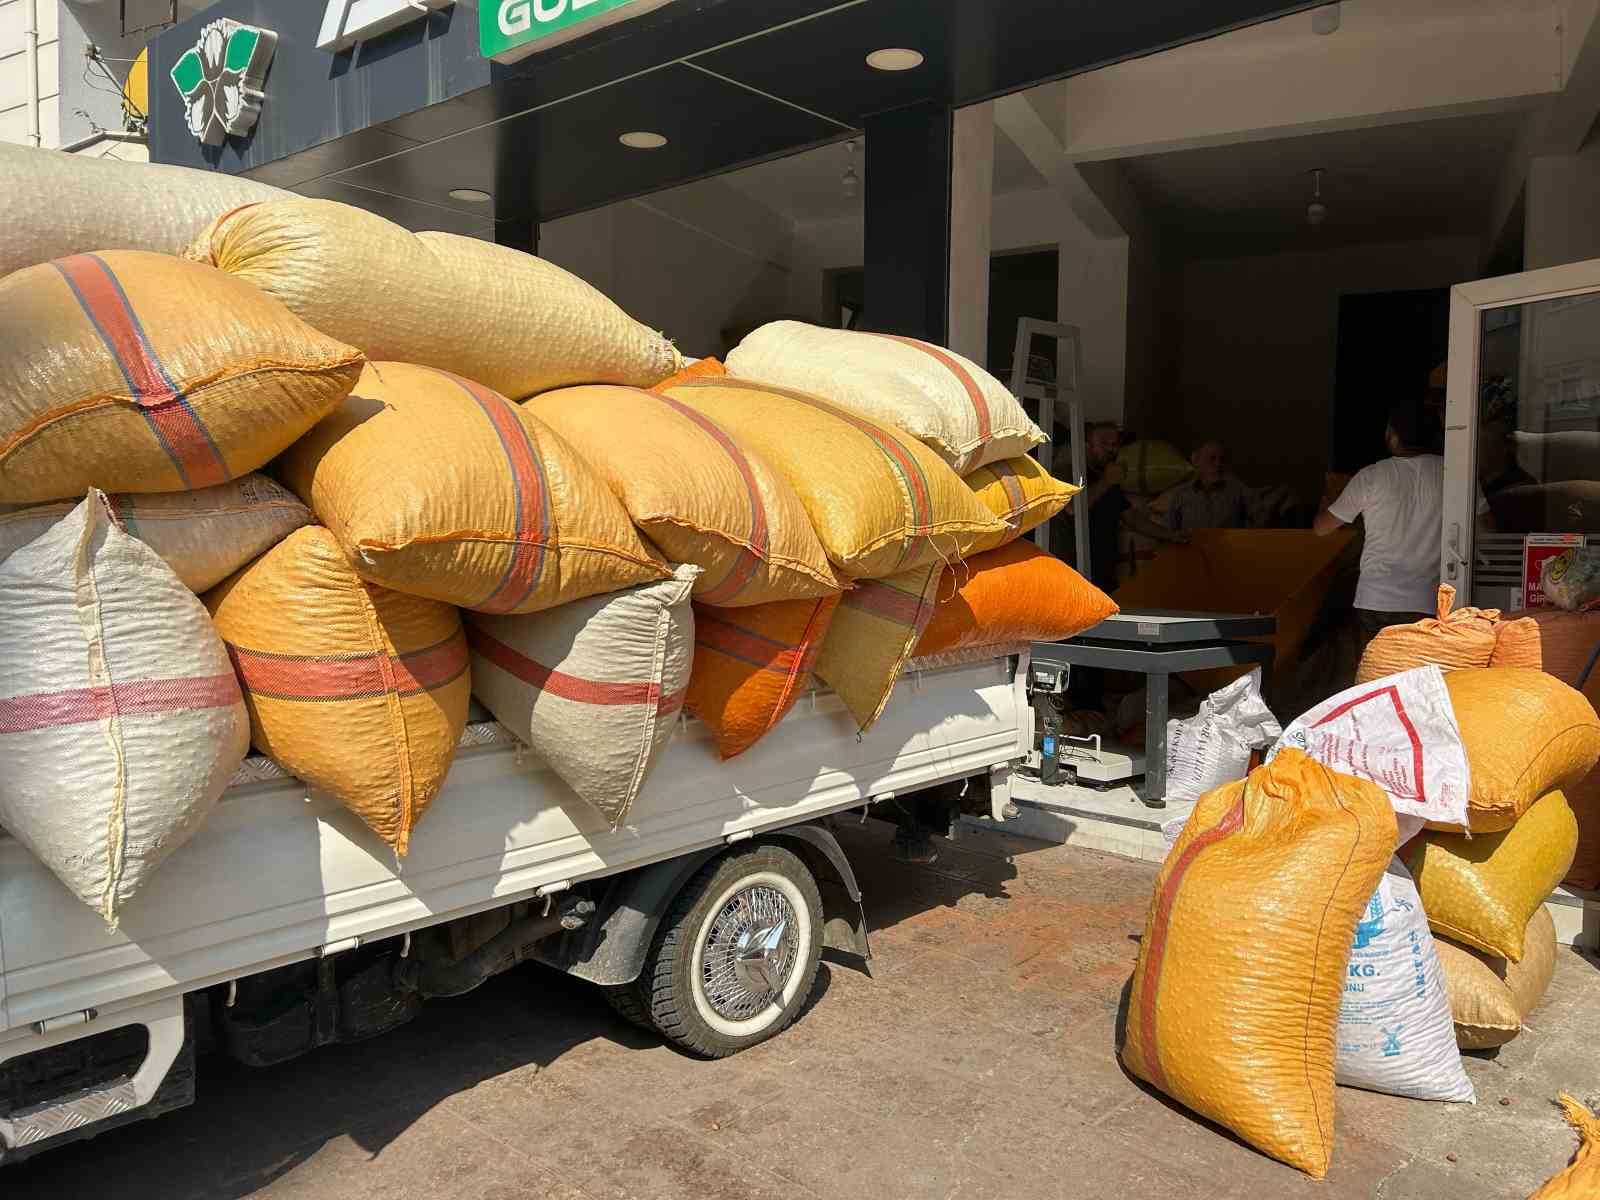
x,y
1401,501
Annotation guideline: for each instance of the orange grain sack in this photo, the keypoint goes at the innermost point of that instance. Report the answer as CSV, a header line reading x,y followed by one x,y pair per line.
x,y
1581,1178
752,664
697,494
134,372
437,486
875,630
1452,641
1235,998
1021,493
358,690
1017,593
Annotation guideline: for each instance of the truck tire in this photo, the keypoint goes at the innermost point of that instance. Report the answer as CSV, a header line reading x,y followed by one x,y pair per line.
x,y
736,957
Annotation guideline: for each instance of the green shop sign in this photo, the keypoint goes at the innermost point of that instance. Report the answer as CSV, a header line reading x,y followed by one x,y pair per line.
x,y
220,79
512,29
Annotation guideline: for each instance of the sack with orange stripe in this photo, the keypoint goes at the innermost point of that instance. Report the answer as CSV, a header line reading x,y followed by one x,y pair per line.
x,y
697,494
594,687
135,372
439,487
204,536
881,502
1021,493
120,720
1017,593
949,402
752,664
358,690
874,632
1236,995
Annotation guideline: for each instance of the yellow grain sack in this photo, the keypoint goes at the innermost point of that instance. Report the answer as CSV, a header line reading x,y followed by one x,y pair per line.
x,y
1151,468
1483,890
358,690
949,402
437,486
1526,733
697,494
1021,493
135,372
1235,998
1490,996
513,322
881,502
1581,1178
875,629
204,536
1457,638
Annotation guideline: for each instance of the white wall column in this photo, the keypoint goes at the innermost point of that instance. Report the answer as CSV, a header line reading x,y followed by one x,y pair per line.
x,y
971,239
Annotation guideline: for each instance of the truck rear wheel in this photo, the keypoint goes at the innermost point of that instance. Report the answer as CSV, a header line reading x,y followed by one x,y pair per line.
x,y
736,957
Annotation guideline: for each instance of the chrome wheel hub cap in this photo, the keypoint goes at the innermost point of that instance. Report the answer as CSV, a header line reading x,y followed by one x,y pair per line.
x,y
749,953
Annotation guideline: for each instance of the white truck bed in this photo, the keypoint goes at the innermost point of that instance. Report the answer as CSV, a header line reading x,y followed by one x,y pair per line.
x,y
276,874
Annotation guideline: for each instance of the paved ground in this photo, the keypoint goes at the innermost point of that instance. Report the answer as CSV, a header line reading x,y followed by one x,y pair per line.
x,y
976,1063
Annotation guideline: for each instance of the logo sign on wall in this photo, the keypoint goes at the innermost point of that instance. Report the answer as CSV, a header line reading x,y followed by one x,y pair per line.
x,y
346,22
220,79
513,29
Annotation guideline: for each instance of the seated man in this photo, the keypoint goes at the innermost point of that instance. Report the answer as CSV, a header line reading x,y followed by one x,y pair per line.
x,y
1213,499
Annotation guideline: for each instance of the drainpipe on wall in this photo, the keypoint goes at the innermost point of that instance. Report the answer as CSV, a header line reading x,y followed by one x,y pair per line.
x,y
30,48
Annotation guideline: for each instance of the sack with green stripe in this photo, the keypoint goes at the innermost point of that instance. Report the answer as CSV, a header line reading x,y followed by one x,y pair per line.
x,y
1235,999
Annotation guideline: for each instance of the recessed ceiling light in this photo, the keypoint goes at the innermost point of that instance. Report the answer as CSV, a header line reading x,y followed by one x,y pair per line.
x,y
894,59
642,139
470,195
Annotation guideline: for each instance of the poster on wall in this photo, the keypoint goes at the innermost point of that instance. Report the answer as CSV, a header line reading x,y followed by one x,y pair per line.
x,y
1537,549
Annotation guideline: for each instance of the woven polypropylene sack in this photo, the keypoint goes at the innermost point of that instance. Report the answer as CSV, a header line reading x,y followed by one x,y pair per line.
x,y
1236,993
1518,642
204,536
1150,468
752,664
1464,637
697,494
949,402
1021,493
513,322
358,690
1490,996
881,502
595,687
440,487
1017,593
59,204
1395,1032
874,634
1483,890
135,372
1581,1178
1526,733
120,720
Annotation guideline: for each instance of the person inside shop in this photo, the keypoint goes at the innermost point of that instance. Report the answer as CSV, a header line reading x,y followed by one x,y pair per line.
x,y
1214,499
1110,511
1400,499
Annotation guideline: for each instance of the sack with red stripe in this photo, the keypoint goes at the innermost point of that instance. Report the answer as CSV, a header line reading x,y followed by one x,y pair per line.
x,y
204,536
439,487
698,494
752,664
120,720
135,372
594,687
1236,995
358,690
874,634
881,502
955,406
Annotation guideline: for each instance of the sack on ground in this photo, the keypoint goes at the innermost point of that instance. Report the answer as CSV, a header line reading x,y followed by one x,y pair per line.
x,y
204,536
1490,997
135,372
594,687
1213,747
1456,638
358,690
513,322
752,664
881,502
1581,1178
874,634
953,405
59,204
437,486
1483,890
1021,493
1526,734
1018,593
697,494
1235,997
120,720
1395,1032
